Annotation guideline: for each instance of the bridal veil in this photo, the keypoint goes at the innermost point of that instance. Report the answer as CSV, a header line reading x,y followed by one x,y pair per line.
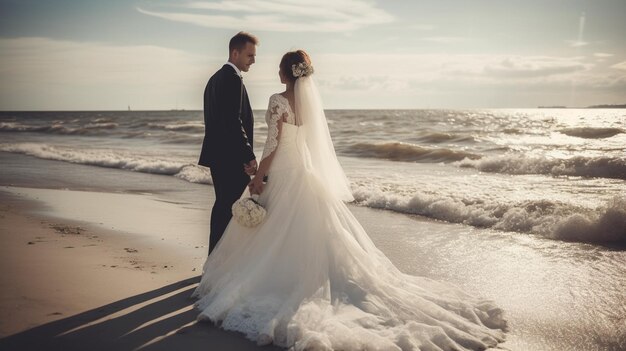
x,y
310,114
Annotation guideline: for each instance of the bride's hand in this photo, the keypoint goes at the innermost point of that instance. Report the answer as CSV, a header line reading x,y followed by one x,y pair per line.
x,y
256,185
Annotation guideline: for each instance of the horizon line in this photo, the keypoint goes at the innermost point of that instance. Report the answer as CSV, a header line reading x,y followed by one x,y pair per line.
x,y
608,106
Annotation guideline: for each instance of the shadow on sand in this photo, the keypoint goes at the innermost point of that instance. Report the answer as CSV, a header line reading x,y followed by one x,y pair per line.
x,y
161,319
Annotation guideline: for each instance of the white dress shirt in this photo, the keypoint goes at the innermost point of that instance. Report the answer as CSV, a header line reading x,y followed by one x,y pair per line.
x,y
236,69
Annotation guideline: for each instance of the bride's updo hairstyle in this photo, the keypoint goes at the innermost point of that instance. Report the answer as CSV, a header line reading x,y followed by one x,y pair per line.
x,y
296,64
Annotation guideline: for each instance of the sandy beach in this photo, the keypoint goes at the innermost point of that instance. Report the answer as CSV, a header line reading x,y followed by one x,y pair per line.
x,y
72,285
110,265
90,283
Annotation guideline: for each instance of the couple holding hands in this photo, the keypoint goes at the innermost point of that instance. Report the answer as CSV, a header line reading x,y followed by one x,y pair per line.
x,y
309,277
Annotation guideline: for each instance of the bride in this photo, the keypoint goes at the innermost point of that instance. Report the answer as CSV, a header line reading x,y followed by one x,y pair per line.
x,y
309,277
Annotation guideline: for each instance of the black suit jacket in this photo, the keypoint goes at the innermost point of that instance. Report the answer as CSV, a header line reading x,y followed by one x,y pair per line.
x,y
227,136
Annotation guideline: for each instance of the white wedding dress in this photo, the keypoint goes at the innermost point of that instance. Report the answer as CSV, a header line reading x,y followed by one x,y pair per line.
x,y
310,278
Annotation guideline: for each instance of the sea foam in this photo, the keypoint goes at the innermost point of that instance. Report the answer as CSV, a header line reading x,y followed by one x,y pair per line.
x,y
58,128
195,174
113,159
552,219
195,127
603,167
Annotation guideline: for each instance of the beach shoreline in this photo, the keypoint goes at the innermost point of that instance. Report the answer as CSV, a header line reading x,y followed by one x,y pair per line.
x,y
87,268
69,284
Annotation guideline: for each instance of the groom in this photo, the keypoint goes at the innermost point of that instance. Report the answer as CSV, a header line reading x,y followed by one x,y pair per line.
x,y
228,123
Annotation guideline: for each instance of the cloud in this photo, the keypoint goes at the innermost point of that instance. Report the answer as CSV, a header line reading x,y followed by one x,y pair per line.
x,y
59,74
602,55
446,40
422,27
620,66
576,43
278,16
540,66
362,83
604,81
402,80
42,73
398,73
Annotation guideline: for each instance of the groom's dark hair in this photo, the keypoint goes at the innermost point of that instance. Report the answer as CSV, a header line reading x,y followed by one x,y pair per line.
x,y
239,41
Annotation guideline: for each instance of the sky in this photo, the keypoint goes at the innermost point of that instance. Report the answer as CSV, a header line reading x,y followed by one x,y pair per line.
x,y
394,54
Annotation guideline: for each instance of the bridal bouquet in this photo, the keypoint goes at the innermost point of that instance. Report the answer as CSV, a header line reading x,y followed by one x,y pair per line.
x,y
248,212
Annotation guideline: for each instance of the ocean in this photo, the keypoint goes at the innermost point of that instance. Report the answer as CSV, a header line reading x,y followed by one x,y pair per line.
x,y
525,207
556,173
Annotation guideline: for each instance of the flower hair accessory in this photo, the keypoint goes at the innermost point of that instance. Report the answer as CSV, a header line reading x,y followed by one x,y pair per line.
x,y
302,69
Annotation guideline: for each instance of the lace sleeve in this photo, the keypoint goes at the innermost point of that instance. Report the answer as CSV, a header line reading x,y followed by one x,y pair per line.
x,y
272,116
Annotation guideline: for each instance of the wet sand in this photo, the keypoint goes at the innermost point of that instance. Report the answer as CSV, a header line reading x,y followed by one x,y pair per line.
x,y
74,285
113,271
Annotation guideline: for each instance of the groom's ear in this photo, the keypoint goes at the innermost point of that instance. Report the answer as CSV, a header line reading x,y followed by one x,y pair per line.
x,y
234,54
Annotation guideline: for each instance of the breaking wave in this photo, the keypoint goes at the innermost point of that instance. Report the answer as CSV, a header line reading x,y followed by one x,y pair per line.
x,y
408,152
601,167
436,138
555,220
57,128
592,133
113,159
185,127
552,219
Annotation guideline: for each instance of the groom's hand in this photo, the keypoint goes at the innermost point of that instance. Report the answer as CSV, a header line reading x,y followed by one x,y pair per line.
x,y
250,168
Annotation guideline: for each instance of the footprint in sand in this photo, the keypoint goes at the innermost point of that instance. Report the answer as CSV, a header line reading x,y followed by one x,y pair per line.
x,y
66,229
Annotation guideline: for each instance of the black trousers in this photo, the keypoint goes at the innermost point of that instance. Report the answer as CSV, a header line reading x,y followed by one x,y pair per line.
x,y
229,182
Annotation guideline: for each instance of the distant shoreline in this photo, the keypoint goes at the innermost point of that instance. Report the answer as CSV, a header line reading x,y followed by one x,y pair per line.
x,y
349,109
592,106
